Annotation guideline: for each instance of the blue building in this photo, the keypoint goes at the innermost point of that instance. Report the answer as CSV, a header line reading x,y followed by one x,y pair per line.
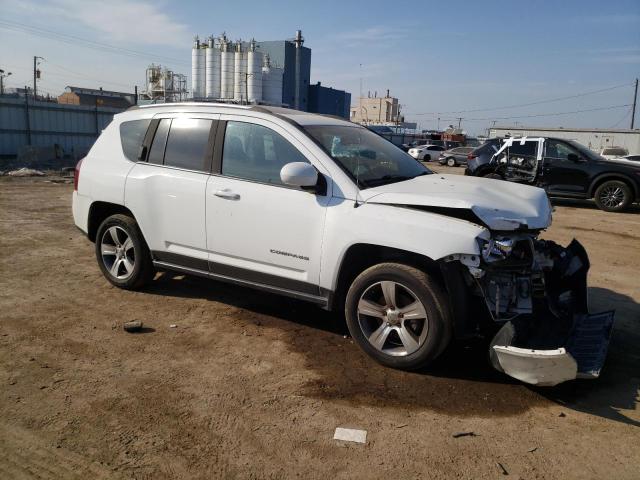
x,y
329,101
296,62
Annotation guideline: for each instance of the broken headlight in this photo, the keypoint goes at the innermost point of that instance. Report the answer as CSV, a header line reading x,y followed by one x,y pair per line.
x,y
497,248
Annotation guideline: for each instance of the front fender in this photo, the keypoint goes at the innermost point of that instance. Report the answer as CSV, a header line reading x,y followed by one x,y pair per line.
x,y
432,235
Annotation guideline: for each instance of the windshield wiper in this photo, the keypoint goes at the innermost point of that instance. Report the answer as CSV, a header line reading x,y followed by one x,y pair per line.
x,y
387,179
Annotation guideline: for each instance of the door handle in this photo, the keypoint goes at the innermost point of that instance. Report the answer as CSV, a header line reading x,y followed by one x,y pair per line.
x,y
227,194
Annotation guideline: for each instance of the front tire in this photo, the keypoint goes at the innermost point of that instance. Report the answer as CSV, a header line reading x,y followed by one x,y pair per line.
x,y
451,162
122,253
426,158
613,196
398,315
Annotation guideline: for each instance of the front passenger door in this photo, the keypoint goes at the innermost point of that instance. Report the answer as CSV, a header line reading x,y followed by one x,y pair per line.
x,y
564,169
258,229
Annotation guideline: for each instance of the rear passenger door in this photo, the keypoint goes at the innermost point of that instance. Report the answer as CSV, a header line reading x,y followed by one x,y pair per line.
x,y
166,188
258,229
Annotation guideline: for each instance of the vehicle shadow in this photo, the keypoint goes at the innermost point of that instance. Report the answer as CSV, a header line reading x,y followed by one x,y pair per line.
x,y
460,382
589,205
618,387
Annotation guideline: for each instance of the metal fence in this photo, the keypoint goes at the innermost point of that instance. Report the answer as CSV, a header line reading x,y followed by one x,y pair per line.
x,y
71,129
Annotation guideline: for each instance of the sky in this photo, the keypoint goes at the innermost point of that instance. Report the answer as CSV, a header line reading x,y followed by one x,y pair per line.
x,y
488,62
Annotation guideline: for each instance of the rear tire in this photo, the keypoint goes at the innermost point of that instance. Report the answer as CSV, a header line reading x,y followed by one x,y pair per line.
x,y
451,162
398,315
613,196
122,253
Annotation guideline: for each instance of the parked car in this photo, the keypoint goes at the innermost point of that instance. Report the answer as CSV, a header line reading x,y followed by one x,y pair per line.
x,y
406,146
613,152
564,168
633,158
455,156
426,153
328,212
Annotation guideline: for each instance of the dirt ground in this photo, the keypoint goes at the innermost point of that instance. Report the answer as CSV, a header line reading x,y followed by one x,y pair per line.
x,y
250,385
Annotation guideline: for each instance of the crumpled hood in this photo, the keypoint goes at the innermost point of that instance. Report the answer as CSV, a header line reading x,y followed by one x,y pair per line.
x,y
501,205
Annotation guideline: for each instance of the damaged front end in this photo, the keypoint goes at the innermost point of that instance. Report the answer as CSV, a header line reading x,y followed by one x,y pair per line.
x,y
537,290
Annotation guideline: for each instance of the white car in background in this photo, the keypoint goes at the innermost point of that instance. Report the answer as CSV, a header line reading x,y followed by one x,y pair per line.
x,y
426,153
613,152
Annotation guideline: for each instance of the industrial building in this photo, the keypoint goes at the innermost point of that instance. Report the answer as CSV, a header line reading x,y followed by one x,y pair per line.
x,y
594,138
270,72
163,85
93,97
374,110
329,101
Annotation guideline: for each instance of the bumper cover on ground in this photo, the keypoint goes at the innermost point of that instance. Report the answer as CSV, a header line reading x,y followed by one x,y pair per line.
x,y
563,341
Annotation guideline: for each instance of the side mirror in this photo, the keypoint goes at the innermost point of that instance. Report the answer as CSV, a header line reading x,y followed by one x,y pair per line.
x,y
574,158
299,174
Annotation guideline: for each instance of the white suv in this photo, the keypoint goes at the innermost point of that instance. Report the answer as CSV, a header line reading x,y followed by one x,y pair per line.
x,y
326,211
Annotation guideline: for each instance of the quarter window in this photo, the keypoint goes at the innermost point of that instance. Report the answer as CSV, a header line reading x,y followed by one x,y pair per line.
x,y
131,136
257,153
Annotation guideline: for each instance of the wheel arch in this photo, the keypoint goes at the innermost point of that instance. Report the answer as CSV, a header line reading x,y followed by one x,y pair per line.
x,y
599,180
360,256
99,211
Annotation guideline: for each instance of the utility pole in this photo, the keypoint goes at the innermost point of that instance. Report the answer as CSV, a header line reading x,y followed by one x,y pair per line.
x,y
459,122
2,76
635,100
36,75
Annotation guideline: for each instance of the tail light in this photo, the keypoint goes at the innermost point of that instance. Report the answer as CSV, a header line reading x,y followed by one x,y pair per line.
x,y
471,156
76,175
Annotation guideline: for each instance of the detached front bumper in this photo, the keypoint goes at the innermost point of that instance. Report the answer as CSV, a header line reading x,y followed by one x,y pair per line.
x,y
582,357
560,340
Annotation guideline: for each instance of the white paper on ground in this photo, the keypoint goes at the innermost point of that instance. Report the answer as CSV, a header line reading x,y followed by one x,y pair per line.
x,y
350,435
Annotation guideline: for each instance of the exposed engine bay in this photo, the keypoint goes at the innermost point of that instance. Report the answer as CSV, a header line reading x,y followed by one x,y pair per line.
x,y
537,291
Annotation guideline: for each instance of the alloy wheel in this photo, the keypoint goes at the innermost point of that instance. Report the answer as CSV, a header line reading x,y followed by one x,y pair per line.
x,y
118,254
612,196
392,318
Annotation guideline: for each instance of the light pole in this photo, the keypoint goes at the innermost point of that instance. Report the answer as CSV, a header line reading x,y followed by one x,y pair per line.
x,y
2,77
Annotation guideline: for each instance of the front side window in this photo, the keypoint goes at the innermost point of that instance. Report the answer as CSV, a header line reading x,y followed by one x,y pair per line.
x,y
132,135
369,159
257,153
557,149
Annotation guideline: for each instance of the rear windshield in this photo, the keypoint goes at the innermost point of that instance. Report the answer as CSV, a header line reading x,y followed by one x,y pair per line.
x,y
131,136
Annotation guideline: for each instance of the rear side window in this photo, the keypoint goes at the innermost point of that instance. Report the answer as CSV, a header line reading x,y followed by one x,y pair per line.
x,y
188,144
131,136
527,149
257,153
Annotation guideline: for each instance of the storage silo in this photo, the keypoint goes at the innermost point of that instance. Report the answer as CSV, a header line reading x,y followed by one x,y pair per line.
x,y
254,74
271,83
212,79
240,73
197,69
226,68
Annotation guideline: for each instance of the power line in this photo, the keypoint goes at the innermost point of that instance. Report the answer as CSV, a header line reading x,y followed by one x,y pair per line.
x,y
612,107
622,119
522,105
79,41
